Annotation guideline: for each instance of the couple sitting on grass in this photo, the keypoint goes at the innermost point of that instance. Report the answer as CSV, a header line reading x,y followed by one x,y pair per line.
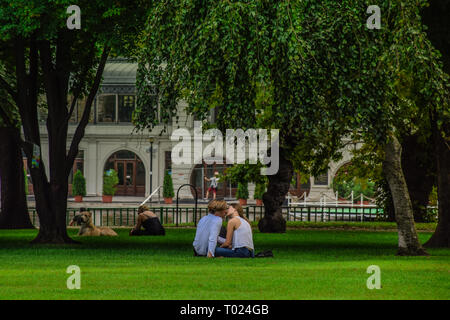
x,y
235,242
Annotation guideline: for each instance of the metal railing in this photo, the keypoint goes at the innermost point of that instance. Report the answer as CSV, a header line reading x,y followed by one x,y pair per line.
x,y
125,217
325,200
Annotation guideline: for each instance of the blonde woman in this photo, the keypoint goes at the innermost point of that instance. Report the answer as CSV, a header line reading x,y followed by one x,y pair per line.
x,y
239,241
149,221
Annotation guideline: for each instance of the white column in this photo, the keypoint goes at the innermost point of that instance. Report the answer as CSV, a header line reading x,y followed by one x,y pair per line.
x,y
90,168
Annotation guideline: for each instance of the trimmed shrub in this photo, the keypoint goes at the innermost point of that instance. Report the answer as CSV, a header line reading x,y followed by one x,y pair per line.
x,y
168,186
260,188
110,181
79,184
242,190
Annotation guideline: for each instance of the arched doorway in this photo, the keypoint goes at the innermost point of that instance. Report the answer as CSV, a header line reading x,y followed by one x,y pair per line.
x,y
131,173
200,171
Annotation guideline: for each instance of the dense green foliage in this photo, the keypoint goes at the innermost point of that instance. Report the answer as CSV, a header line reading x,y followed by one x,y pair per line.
x,y
110,181
408,73
168,191
105,24
358,186
345,182
242,190
323,264
260,188
79,184
313,71
244,173
297,66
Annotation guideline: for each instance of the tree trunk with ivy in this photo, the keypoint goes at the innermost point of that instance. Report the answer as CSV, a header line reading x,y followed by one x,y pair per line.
x,y
408,241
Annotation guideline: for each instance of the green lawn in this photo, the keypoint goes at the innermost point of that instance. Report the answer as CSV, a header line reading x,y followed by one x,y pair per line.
x,y
308,264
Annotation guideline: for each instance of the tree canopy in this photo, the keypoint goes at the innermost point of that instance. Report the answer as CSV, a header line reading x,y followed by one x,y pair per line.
x,y
45,56
314,71
293,65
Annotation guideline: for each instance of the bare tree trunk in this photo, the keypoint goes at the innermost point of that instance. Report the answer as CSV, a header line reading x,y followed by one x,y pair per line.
x,y
441,237
14,210
273,198
408,242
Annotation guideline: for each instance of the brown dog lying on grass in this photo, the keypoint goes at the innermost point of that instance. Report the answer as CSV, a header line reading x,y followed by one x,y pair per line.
x,y
84,220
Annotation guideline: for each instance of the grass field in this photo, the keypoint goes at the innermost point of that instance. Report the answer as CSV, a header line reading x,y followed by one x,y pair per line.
x,y
308,264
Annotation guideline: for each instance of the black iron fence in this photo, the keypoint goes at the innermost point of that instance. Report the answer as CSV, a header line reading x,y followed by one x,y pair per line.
x,y
117,217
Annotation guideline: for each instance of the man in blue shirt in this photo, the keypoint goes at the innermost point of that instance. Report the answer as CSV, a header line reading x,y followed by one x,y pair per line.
x,y
208,229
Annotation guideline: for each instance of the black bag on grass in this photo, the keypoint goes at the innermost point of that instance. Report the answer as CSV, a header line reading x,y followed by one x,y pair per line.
x,y
264,254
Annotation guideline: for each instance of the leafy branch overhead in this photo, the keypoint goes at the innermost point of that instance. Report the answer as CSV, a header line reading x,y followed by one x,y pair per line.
x,y
261,64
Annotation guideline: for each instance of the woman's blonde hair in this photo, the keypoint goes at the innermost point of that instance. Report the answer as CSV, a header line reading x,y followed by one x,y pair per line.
x,y
240,211
217,205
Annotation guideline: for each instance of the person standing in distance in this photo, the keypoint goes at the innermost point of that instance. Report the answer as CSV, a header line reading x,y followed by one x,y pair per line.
x,y
213,185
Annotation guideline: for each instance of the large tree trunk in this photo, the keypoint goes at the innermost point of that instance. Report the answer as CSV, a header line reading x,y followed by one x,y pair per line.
x,y
441,237
50,197
408,241
419,168
14,210
51,208
273,221
435,16
56,64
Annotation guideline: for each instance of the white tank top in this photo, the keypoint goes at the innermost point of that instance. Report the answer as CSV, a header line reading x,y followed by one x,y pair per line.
x,y
242,236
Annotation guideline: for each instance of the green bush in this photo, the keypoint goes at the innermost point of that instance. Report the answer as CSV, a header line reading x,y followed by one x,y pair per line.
x,y
110,181
260,188
433,197
344,187
244,173
168,186
242,190
26,181
79,184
